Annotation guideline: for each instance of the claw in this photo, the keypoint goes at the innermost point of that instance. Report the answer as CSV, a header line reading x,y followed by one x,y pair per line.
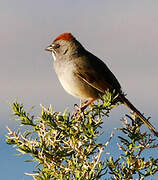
x,y
85,104
79,110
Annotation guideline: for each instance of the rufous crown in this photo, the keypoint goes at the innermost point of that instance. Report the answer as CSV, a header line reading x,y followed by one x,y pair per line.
x,y
65,36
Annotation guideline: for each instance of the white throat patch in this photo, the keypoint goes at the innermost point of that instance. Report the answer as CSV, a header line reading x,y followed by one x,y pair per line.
x,y
53,56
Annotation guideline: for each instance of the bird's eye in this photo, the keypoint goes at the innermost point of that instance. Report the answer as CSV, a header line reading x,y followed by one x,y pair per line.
x,y
57,46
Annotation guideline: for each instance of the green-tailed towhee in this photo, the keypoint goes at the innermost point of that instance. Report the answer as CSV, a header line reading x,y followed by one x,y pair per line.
x,y
85,76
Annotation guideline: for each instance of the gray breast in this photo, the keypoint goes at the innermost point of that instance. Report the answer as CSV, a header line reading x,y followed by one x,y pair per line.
x,y
72,83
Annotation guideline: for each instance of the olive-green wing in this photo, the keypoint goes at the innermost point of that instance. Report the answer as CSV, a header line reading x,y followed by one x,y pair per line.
x,y
93,71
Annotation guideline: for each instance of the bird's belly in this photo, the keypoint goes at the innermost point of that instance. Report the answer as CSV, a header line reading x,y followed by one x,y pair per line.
x,y
76,86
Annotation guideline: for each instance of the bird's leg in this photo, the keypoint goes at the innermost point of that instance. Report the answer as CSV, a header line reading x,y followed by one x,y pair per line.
x,y
82,102
83,106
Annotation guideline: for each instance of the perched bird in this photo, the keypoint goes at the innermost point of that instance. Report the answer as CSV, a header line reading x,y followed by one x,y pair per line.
x,y
85,76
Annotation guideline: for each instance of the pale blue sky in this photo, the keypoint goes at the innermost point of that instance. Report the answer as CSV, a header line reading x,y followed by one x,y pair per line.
x,y
123,33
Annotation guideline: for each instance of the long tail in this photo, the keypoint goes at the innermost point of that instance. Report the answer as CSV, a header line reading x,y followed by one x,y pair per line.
x,y
126,102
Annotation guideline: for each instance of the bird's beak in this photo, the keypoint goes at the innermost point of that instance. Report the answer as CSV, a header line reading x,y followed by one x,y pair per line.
x,y
49,48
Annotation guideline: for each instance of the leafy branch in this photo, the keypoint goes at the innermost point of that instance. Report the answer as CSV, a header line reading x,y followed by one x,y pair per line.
x,y
66,146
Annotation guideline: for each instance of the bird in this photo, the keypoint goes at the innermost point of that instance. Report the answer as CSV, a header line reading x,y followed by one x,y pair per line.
x,y
84,75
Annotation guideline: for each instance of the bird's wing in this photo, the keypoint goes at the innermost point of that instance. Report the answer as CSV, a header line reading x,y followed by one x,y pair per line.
x,y
93,71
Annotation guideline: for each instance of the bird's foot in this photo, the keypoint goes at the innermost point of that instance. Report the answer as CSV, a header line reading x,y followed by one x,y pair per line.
x,y
79,110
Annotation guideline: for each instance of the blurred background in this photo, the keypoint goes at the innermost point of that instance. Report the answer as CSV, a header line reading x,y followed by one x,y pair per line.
x,y
123,33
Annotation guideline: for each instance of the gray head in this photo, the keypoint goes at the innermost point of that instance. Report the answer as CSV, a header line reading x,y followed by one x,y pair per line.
x,y
65,45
